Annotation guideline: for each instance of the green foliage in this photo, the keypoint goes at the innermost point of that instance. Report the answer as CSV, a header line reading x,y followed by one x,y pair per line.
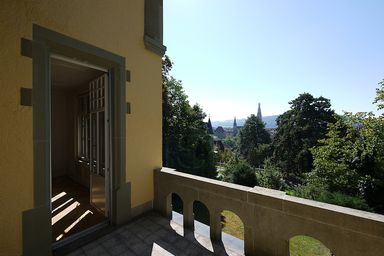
x,y
335,158
166,68
319,193
350,159
270,177
298,130
315,153
307,246
251,137
240,172
244,174
231,142
186,143
379,100
232,224
344,200
225,156
257,155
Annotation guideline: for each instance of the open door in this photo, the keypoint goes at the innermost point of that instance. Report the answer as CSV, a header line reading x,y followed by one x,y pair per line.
x,y
80,149
99,141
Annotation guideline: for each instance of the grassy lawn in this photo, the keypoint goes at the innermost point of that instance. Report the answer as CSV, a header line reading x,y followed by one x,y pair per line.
x,y
232,224
299,245
307,246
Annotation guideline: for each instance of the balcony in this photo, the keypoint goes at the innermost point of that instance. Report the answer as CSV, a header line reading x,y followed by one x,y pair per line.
x,y
271,218
152,234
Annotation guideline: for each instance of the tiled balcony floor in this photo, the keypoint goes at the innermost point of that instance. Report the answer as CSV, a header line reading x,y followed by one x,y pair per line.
x,y
153,234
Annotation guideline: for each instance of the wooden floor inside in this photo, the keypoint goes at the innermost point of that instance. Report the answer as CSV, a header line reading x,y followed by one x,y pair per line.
x,y
71,210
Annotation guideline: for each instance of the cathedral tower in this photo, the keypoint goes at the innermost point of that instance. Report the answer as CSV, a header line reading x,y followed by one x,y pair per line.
x,y
259,113
234,130
209,126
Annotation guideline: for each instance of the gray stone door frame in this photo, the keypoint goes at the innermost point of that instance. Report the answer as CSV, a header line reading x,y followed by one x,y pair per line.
x,y
37,221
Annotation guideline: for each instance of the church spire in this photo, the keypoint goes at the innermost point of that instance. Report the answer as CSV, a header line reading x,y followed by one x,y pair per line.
x,y
209,126
234,131
259,113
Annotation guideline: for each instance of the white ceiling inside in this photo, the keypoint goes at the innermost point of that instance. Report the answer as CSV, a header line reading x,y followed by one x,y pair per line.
x,y
65,75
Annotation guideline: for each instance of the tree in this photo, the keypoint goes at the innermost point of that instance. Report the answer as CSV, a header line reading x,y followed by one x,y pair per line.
x,y
379,100
240,172
257,155
350,160
186,143
336,158
298,130
231,142
271,176
224,156
251,137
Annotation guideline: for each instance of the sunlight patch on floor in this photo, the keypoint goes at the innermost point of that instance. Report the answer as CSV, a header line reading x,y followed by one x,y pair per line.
x,y
74,224
204,241
77,221
62,205
177,227
157,250
59,237
64,212
58,196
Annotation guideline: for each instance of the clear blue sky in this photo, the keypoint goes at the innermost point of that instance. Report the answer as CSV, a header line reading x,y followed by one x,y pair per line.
x,y
232,54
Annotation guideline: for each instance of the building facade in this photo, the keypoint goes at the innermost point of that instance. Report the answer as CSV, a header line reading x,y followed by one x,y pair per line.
x,y
80,80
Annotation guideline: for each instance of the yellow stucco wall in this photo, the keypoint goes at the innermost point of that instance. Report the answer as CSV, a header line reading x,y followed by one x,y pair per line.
x,y
116,26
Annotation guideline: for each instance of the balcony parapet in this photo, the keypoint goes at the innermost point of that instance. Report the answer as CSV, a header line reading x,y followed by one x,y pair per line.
x,y
271,217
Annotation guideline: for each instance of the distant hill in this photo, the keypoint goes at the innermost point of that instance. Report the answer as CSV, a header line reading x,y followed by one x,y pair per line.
x,y
270,122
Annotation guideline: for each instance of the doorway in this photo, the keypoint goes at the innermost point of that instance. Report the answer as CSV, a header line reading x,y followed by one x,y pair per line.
x,y
46,42
80,147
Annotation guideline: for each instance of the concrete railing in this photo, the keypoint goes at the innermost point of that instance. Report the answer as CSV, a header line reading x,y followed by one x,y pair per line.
x,y
271,217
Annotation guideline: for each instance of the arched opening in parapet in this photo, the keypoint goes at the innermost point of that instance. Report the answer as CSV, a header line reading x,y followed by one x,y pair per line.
x,y
202,224
177,213
201,217
232,231
306,245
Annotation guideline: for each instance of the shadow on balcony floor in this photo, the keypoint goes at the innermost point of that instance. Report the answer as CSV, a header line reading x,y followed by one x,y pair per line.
x,y
153,235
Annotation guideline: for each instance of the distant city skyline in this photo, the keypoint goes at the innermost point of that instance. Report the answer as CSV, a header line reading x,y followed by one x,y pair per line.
x,y
231,55
269,121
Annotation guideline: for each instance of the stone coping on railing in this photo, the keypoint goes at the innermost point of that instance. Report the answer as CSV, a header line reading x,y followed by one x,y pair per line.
x,y
260,208
203,179
276,195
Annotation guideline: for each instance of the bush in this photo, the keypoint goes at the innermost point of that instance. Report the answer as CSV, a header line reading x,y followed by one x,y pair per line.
x,y
271,176
318,193
225,156
344,200
241,173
